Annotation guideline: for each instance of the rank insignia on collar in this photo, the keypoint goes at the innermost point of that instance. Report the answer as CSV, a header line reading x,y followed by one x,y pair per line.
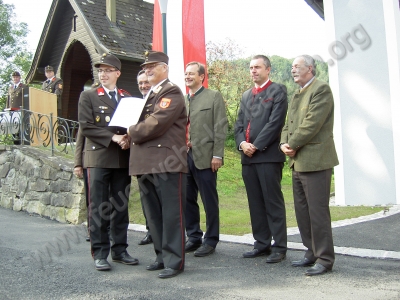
x,y
165,102
54,79
100,91
157,90
97,118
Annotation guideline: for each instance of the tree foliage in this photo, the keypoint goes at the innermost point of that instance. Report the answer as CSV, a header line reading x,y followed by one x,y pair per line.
x,y
14,55
228,72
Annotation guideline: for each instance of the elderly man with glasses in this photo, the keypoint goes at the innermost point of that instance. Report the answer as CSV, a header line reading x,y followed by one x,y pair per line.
x,y
158,139
107,162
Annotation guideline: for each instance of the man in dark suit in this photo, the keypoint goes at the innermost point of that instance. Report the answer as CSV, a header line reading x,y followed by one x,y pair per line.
x,y
307,139
207,126
158,159
53,85
15,93
257,131
15,99
107,162
144,88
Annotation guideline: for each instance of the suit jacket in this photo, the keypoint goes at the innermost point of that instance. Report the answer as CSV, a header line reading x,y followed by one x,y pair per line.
x,y
95,110
159,138
56,87
309,128
208,126
266,113
79,150
15,96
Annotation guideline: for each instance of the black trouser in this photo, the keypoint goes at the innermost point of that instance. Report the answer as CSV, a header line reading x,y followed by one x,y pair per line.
x,y
205,182
164,197
267,206
108,205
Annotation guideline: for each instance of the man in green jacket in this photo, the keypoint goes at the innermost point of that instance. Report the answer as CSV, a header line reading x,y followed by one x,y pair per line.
x,y
307,138
206,132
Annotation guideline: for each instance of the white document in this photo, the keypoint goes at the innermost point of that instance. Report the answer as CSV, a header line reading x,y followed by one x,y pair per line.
x,y
128,112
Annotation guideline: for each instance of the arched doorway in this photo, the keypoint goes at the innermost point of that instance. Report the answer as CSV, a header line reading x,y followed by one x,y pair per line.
x,y
76,72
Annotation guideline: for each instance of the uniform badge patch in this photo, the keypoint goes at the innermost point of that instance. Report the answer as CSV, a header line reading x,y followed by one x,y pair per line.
x,y
165,102
97,118
60,86
107,119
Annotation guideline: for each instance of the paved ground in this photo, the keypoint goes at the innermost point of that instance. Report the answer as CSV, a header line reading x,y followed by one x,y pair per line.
x,y
43,259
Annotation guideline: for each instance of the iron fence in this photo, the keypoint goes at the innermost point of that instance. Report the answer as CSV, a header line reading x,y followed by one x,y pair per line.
x,y
26,127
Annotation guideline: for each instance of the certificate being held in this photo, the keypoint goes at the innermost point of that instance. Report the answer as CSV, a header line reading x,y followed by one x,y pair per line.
x,y
128,112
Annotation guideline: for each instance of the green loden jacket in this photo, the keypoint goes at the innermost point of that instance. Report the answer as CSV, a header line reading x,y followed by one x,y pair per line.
x,y
309,128
208,126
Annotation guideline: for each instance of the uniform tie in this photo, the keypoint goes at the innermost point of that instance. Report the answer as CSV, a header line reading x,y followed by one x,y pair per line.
x,y
112,94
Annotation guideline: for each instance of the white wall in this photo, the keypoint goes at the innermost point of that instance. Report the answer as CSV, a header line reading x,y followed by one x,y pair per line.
x,y
364,77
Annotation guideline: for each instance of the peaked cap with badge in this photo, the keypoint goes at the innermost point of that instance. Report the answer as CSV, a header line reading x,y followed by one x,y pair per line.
x,y
109,59
48,68
152,57
15,73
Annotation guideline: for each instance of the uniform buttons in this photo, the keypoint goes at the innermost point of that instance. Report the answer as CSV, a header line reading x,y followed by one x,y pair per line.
x,y
291,121
133,144
290,133
93,147
117,131
159,146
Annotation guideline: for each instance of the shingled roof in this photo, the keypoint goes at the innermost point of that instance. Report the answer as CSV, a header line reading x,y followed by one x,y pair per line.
x,y
126,37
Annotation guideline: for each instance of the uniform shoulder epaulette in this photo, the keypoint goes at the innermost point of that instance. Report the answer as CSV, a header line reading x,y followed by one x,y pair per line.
x,y
122,92
171,83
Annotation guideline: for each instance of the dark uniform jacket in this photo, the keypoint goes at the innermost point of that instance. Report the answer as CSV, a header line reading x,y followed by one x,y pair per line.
x,y
95,112
266,112
56,87
159,138
79,150
15,96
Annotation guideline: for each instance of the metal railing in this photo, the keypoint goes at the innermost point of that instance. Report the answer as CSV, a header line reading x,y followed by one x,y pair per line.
x,y
26,127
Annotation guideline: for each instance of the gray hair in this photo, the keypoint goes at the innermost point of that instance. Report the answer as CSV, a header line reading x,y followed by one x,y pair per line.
x,y
267,63
309,61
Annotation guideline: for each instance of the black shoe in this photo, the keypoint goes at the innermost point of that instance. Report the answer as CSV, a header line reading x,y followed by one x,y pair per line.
x,y
146,240
155,266
126,259
275,257
204,250
87,238
317,269
305,262
168,273
255,252
191,246
102,265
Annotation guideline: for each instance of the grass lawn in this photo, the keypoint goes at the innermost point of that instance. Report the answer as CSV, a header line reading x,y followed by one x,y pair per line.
x,y
234,210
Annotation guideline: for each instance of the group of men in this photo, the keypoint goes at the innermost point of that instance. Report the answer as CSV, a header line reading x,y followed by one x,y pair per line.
x,y
52,84
180,142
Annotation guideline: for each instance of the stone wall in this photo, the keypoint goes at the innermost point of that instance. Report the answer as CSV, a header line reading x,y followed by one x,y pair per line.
x,y
33,181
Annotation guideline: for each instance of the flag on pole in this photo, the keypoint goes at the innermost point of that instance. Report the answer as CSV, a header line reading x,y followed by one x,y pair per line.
x,y
185,36
157,28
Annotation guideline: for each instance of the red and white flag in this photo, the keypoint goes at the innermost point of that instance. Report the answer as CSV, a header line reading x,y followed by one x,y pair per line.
x,y
185,36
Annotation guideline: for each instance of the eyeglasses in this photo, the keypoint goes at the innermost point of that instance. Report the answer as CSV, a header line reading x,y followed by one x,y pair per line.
x,y
150,67
105,71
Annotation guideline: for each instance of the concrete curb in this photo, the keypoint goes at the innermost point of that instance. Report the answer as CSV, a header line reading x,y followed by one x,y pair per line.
x,y
248,239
